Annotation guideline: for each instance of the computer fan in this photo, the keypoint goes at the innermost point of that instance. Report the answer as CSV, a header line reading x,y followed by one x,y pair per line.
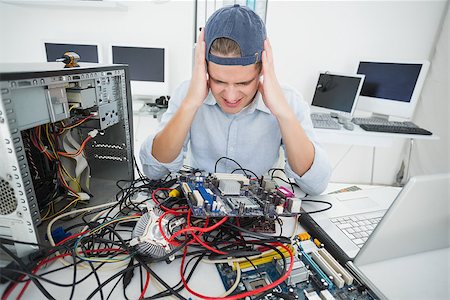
x,y
147,237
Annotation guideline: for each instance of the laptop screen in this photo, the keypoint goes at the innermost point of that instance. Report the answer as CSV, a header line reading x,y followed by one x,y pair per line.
x,y
420,210
407,255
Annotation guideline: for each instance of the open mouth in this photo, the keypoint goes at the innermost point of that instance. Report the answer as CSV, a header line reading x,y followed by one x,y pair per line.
x,y
232,103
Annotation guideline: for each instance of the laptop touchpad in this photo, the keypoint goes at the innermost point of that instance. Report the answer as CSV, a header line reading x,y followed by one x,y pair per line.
x,y
359,203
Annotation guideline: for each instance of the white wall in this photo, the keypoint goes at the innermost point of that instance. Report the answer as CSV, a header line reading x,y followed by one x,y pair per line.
x,y
24,27
312,36
434,112
307,37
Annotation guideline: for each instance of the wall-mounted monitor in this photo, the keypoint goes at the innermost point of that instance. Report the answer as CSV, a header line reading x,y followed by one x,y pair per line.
x,y
90,53
148,67
337,93
391,88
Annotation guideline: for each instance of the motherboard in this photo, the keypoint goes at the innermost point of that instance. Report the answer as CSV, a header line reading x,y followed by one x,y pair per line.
x,y
235,195
315,275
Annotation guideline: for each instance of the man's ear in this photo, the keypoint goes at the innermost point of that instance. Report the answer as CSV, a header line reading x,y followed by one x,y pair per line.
x,y
259,67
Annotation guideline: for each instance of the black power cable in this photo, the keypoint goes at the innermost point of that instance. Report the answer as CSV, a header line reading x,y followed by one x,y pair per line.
x,y
317,211
24,268
240,167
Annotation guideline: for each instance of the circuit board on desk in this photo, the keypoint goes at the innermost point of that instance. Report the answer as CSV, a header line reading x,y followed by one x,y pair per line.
x,y
234,195
307,280
267,273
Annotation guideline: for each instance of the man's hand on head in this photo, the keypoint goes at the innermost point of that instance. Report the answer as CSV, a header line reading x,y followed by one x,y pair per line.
x,y
198,89
270,89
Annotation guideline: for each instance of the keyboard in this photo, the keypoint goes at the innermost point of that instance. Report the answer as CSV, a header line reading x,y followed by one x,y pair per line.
x,y
378,121
358,228
395,129
324,121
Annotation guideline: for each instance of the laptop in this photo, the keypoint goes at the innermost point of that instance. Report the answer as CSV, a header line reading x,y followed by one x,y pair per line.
x,y
407,256
337,95
350,221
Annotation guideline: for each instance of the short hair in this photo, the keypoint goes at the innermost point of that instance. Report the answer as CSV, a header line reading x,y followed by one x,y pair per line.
x,y
228,48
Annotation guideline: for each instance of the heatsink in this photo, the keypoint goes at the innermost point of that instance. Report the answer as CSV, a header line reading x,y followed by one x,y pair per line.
x,y
147,237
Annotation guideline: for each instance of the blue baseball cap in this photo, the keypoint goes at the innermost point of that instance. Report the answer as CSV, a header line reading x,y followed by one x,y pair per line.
x,y
240,24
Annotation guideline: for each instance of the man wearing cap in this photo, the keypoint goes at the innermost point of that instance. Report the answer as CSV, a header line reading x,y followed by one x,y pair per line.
x,y
233,106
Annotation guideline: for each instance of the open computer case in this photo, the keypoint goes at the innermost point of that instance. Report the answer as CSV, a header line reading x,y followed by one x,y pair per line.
x,y
47,114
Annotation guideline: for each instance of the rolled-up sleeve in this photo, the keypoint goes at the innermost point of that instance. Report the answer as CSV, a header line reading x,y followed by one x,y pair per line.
x,y
153,168
316,179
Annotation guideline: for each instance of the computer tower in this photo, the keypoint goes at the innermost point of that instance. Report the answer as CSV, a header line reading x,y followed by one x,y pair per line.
x,y
65,140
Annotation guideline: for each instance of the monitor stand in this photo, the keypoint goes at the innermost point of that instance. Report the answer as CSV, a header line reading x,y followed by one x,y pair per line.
x,y
379,116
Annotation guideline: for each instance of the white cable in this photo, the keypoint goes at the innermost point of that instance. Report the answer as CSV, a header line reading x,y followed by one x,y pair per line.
x,y
161,289
50,224
114,265
237,260
236,282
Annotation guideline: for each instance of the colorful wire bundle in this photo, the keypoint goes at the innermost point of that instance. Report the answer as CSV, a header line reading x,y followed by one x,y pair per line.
x,y
103,242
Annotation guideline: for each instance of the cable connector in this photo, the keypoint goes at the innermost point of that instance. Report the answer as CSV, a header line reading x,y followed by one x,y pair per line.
x,y
84,196
59,234
135,241
128,275
176,192
93,133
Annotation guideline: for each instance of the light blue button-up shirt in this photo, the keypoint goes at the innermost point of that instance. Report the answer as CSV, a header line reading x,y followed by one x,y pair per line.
x,y
252,137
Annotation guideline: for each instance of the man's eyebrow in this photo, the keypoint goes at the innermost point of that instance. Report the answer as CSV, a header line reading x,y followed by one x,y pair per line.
x,y
243,82
215,79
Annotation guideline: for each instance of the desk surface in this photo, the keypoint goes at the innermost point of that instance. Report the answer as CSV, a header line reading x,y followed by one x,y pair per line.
x,y
359,136
205,279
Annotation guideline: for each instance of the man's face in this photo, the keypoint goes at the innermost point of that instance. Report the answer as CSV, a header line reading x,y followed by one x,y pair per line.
x,y
234,87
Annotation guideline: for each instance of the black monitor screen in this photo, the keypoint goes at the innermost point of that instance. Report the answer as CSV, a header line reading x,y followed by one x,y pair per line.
x,y
393,81
87,53
336,92
145,64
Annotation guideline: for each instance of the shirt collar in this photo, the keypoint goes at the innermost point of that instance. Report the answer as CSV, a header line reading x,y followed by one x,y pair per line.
x,y
257,103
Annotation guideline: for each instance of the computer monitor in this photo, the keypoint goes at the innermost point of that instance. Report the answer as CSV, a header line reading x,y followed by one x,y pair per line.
x,y
391,88
337,93
87,52
148,68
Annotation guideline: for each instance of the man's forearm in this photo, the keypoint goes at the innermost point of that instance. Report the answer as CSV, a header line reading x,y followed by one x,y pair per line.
x,y
299,148
168,143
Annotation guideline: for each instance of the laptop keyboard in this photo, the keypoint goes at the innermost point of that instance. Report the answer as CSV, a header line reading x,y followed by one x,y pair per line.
x,y
358,227
324,121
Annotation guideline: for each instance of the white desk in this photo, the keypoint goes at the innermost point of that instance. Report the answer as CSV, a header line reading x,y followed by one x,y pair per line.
x,y
360,137
206,279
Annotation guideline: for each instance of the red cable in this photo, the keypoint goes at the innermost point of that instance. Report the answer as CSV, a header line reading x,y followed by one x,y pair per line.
x,y
23,290
175,243
78,152
207,229
71,237
207,246
157,190
76,123
147,280
8,292
50,260
163,207
242,295
197,238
